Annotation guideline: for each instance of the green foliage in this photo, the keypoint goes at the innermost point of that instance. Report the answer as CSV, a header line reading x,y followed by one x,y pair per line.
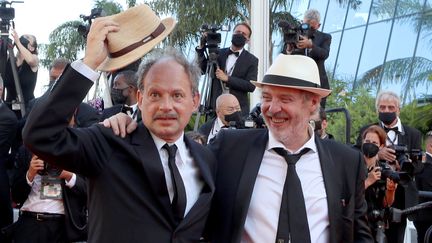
x,y
66,42
360,105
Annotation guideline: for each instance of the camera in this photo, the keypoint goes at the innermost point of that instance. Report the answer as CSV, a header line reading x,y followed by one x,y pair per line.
x,y
211,39
293,33
406,158
6,15
50,170
255,119
84,29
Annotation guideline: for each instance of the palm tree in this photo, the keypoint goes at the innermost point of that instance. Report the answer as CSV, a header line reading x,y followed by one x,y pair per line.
x,y
65,41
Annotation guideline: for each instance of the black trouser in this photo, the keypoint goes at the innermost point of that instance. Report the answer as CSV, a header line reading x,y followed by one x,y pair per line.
x,y
396,231
29,229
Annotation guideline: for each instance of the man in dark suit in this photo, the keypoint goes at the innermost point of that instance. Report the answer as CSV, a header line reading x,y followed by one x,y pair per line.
x,y
123,95
235,68
316,46
140,188
8,128
248,203
423,221
387,105
227,109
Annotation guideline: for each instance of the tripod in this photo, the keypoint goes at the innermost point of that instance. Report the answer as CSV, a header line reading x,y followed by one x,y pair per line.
x,y
6,50
206,89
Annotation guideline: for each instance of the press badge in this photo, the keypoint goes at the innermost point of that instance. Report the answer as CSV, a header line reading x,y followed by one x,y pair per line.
x,y
51,188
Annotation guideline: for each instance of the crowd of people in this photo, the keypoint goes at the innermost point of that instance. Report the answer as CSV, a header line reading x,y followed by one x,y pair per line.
x,y
130,173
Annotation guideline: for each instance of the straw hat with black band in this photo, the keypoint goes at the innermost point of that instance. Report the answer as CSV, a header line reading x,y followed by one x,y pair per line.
x,y
140,30
295,72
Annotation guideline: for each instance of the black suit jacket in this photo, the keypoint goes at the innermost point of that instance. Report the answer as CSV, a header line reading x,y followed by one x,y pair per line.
x,y
128,197
245,70
343,171
111,111
206,128
424,183
8,127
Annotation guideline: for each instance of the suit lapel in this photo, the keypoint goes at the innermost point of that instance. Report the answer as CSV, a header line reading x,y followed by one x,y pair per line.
x,y
204,199
333,185
147,152
246,185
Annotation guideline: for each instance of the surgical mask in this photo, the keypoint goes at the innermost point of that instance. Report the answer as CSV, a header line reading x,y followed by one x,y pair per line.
x,y
370,149
387,117
117,96
235,117
238,40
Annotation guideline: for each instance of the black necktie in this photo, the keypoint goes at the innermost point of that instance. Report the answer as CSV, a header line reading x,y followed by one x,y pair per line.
x,y
293,224
236,53
178,203
388,129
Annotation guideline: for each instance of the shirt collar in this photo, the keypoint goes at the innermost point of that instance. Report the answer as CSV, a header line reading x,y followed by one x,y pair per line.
x,y
181,146
274,143
239,51
398,125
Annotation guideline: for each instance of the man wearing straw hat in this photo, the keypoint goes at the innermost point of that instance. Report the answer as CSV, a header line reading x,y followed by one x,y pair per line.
x,y
263,194
284,184
155,185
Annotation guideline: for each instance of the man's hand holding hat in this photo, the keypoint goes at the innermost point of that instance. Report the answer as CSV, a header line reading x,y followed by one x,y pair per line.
x,y
96,50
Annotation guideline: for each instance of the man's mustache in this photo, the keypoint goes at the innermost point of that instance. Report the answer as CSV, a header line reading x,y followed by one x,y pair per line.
x,y
165,116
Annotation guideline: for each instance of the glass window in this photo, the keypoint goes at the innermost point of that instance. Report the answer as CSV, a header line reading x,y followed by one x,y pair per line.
x,y
382,10
359,16
403,39
349,53
335,17
374,47
409,7
331,60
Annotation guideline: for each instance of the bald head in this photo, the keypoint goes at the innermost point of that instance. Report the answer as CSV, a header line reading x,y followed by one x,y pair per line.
x,y
226,104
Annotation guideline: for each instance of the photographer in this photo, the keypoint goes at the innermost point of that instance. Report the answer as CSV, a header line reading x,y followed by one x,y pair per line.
x,y
52,202
235,68
381,181
424,183
228,112
316,45
27,63
397,136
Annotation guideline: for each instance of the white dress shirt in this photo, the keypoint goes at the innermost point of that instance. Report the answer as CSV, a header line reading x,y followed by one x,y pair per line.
x,y
217,126
34,203
188,170
392,138
263,215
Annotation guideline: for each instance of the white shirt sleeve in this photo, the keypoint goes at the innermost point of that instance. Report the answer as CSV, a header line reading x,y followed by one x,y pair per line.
x,y
85,70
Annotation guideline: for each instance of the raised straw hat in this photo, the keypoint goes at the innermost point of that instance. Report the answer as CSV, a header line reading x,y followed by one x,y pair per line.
x,y
140,30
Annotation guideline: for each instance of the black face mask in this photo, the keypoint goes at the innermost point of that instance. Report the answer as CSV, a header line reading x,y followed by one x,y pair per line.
x,y
387,117
370,150
24,41
117,96
238,40
234,117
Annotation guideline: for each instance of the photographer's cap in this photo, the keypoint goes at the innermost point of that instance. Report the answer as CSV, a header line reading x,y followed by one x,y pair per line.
x,y
295,72
140,30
